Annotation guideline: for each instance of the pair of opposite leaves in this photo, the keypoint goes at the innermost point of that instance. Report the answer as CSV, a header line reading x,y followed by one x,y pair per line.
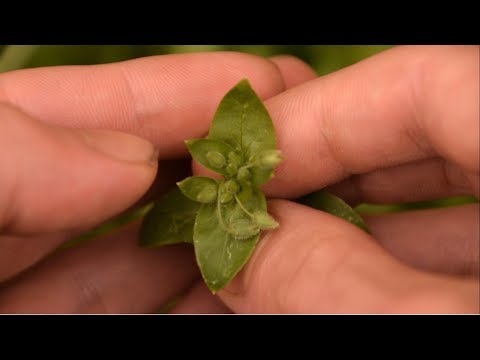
x,y
223,218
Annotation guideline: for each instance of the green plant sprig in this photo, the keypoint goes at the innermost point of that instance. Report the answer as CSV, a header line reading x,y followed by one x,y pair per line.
x,y
224,218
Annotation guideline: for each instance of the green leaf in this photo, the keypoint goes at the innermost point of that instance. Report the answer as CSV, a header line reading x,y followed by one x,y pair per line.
x,y
323,200
199,188
243,122
170,221
201,148
221,255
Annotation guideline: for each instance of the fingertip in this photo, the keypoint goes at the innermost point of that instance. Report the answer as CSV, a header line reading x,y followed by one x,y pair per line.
x,y
68,178
121,146
309,264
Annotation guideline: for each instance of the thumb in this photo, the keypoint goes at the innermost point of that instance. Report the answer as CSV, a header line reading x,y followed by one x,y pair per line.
x,y
318,263
58,179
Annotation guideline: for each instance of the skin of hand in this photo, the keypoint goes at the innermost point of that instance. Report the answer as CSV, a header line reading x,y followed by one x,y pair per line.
x,y
400,126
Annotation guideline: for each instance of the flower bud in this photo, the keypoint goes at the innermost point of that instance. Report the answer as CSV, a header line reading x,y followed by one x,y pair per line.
x,y
225,197
231,186
234,158
269,159
216,159
231,169
244,174
207,195
264,220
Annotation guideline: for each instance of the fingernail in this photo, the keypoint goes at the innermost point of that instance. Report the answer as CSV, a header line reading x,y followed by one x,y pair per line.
x,y
122,146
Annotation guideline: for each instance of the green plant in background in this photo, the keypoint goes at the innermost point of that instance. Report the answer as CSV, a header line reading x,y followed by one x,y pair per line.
x,y
15,57
323,58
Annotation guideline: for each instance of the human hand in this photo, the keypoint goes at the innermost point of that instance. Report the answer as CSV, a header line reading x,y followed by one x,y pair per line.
x,y
353,273
400,126
58,180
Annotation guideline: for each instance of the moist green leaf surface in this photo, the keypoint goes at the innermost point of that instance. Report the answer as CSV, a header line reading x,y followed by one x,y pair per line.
x,y
199,148
243,122
170,221
219,254
323,200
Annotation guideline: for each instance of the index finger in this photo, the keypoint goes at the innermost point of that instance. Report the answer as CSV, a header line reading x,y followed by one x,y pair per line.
x,y
403,105
165,99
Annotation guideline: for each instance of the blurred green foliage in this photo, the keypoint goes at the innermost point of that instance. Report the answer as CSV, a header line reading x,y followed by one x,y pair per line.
x,y
440,203
323,58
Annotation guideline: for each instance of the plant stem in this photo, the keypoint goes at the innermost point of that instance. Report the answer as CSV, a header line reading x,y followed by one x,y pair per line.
x,y
16,57
242,207
248,166
219,214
